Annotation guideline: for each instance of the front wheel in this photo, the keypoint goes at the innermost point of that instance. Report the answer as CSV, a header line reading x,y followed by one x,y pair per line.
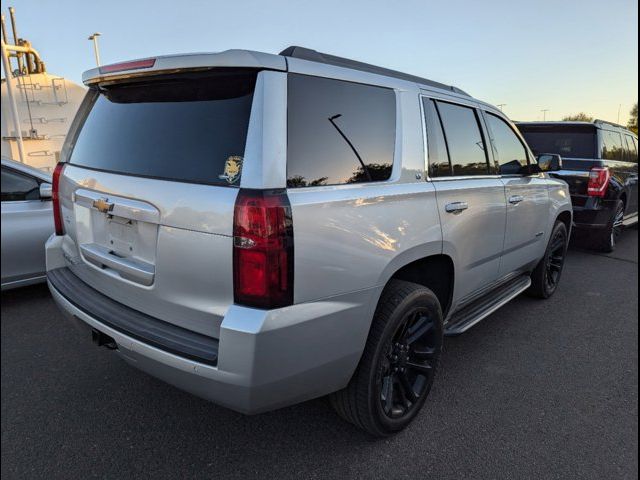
x,y
399,362
546,276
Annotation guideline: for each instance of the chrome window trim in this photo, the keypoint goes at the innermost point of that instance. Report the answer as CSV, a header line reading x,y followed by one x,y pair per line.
x,y
466,177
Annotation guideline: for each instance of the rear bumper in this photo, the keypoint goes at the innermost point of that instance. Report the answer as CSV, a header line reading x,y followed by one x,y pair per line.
x,y
595,214
265,359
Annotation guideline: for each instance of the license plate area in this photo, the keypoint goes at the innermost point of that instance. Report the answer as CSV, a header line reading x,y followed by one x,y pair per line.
x,y
117,235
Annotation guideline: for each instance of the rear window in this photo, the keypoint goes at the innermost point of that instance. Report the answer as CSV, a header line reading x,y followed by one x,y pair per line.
x,y
187,127
567,141
338,132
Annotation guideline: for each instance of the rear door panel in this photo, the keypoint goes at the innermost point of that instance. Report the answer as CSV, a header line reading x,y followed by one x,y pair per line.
x,y
474,238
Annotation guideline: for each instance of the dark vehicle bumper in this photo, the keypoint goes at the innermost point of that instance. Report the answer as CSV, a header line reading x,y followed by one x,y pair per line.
x,y
592,213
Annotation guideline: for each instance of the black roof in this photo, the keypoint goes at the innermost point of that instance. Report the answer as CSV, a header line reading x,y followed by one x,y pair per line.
x,y
315,56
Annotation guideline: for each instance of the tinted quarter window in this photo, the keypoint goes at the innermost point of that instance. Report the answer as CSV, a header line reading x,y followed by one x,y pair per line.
x,y
569,141
631,150
338,132
611,145
439,165
184,127
464,139
17,186
510,153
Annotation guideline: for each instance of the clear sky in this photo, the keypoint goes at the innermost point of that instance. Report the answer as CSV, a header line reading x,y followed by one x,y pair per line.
x,y
563,55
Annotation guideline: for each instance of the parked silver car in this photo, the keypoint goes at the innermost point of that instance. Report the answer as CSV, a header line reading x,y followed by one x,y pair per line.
x,y
27,223
265,229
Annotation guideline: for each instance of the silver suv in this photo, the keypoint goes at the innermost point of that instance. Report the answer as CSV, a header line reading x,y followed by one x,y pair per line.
x,y
261,229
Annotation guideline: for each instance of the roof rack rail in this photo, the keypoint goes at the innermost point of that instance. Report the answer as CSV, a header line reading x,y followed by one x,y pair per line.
x,y
315,56
597,120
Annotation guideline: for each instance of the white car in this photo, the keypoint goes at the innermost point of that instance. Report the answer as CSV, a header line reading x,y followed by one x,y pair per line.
x,y
27,222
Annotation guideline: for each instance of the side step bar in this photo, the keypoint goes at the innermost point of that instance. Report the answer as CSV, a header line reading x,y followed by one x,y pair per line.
x,y
468,316
631,220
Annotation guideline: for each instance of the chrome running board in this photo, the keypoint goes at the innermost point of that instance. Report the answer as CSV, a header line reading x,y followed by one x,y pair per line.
x,y
467,317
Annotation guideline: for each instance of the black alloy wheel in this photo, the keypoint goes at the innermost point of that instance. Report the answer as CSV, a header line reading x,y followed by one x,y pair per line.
x,y
617,226
408,368
555,259
399,362
545,278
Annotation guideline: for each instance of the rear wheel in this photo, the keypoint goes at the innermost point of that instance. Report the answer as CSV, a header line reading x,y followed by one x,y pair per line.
x,y
399,362
546,276
607,239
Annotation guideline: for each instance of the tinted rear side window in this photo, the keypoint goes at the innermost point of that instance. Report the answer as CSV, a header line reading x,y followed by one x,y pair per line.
x,y
439,165
338,132
509,151
612,145
567,141
464,139
189,127
631,150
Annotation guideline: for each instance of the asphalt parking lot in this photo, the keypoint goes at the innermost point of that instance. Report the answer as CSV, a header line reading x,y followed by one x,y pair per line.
x,y
537,390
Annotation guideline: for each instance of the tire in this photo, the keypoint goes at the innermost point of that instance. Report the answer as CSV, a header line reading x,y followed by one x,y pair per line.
x,y
605,240
401,356
546,276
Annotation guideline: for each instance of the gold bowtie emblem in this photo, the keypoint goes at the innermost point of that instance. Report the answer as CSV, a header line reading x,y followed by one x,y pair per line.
x,y
102,205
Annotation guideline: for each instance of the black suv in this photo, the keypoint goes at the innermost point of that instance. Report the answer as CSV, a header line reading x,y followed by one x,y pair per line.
x,y
600,164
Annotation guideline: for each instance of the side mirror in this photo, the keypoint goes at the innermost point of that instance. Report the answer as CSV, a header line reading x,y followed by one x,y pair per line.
x,y
46,191
549,162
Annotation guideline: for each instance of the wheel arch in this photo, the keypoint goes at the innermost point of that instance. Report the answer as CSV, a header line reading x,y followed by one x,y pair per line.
x,y
565,217
435,272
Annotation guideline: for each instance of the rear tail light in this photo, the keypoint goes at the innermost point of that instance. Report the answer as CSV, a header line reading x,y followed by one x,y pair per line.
x,y
598,181
55,197
263,249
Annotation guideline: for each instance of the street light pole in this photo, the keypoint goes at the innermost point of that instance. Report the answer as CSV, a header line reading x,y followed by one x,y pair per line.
x,y
544,114
619,107
96,50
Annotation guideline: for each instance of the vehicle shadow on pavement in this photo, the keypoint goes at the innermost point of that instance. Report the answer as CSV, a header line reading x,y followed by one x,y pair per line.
x,y
514,389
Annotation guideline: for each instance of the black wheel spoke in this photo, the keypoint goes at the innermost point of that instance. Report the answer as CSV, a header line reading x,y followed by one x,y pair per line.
x,y
421,327
406,388
387,391
422,368
423,353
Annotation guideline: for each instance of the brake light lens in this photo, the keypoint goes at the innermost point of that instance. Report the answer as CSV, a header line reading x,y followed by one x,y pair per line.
x,y
55,197
598,181
134,65
263,249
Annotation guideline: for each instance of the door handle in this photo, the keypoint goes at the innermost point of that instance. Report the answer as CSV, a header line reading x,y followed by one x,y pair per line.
x,y
456,207
515,199
135,270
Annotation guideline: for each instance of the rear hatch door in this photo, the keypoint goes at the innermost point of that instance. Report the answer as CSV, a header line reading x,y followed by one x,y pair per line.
x,y
149,189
